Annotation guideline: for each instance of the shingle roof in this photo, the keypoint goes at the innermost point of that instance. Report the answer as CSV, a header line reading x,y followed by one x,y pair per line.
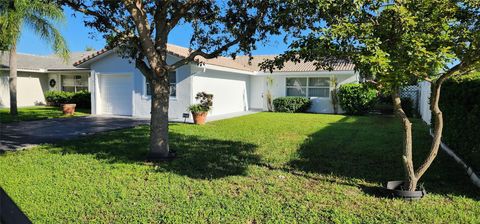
x,y
181,52
290,66
35,62
240,62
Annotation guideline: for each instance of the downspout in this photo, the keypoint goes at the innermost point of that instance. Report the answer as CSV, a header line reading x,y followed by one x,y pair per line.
x,y
192,78
93,92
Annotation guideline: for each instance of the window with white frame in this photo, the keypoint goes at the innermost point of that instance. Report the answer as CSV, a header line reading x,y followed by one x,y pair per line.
x,y
74,83
172,77
308,86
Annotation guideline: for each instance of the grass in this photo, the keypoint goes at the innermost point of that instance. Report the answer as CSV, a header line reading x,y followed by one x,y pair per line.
x,y
37,113
261,168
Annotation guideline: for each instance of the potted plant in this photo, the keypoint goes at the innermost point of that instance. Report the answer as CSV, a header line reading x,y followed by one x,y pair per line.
x,y
200,110
68,108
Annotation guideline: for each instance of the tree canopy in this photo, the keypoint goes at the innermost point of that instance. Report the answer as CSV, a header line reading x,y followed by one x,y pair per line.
x,y
141,28
41,16
395,42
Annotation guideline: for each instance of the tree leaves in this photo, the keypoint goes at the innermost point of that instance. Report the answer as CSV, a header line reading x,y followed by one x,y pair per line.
x,y
393,42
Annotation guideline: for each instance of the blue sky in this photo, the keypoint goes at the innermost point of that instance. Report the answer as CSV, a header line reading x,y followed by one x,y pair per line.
x,y
77,36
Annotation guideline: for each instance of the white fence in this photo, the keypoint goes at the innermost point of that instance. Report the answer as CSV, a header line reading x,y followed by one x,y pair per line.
x,y
420,96
424,101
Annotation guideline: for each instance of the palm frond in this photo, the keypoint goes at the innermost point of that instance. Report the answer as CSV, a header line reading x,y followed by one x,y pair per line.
x,y
48,32
40,15
10,27
49,11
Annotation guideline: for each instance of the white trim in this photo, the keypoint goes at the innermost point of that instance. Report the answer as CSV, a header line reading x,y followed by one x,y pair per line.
x,y
26,70
262,73
225,69
98,100
91,60
93,91
41,70
192,78
307,87
62,77
309,73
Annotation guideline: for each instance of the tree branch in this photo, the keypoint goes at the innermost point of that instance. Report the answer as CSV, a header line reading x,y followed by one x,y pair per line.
x,y
407,141
437,113
137,11
100,17
160,19
179,14
200,53
143,67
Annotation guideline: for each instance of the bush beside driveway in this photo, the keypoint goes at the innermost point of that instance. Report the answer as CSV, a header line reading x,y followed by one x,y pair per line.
x,y
265,167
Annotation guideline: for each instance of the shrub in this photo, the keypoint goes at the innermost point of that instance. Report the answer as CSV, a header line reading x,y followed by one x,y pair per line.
x,y
56,98
205,105
291,104
384,104
408,108
82,99
357,98
460,104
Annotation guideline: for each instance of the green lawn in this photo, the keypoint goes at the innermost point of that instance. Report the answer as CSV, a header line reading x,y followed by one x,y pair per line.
x,y
261,168
37,113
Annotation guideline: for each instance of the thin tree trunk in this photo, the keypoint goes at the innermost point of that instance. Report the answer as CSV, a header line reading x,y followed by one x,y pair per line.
x,y
269,101
159,148
13,80
407,159
438,128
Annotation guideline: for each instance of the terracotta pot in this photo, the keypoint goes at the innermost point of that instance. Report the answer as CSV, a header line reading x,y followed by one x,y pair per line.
x,y
68,109
200,117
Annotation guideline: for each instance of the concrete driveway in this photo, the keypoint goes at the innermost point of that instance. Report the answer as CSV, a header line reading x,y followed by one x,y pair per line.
x,y
28,133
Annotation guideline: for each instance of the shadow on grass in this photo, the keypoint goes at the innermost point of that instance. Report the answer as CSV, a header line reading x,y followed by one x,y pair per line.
x,y
371,148
198,157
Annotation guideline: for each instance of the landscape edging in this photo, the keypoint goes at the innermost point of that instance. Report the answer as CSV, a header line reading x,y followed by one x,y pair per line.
x,y
473,176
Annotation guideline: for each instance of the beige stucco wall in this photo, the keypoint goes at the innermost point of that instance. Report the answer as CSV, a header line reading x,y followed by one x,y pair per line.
x,y
30,89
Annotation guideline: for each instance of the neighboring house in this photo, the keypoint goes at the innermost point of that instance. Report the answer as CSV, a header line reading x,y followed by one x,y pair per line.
x,y
38,74
118,88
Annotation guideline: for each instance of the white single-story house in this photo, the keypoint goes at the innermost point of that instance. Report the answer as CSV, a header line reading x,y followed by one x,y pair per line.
x,y
38,74
118,88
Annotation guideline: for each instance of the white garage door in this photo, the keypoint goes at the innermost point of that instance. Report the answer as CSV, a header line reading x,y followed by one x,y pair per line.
x,y
116,94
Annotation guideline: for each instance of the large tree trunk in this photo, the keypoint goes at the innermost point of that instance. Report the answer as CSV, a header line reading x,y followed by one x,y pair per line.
x,y
407,158
159,149
13,80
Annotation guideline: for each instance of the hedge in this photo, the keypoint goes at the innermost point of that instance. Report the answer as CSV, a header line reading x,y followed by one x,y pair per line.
x,y
357,99
56,98
460,104
291,104
408,107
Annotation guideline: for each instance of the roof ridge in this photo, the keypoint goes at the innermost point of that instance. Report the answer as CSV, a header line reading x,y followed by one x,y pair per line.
x,y
35,55
258,55
220,56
